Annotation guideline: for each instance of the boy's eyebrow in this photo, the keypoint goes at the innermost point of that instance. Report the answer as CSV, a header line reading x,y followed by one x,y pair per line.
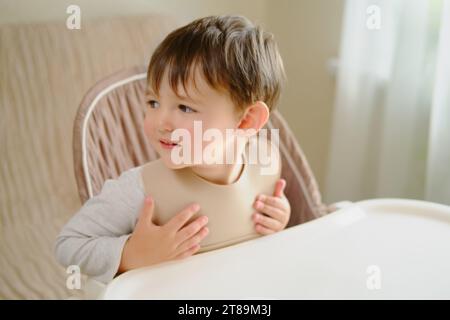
x,y
183,97
188,99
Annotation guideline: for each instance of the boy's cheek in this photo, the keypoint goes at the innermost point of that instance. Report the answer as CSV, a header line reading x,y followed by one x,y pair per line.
x,y
148,129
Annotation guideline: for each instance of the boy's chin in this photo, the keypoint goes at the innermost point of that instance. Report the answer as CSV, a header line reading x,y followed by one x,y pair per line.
x,y
171,165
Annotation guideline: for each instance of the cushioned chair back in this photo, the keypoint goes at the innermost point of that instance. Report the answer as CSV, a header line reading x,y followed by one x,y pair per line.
x,y
109,139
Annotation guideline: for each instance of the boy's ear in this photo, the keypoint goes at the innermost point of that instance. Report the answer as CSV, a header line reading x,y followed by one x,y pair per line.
x,y
255,116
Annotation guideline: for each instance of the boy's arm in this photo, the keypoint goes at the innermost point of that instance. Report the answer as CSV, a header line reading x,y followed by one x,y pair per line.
x,y
95,236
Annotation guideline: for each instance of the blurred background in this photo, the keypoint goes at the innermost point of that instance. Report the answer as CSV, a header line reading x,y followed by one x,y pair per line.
x,y
368,98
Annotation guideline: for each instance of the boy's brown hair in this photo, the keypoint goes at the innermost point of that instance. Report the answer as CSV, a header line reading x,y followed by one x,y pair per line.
x,y
234,55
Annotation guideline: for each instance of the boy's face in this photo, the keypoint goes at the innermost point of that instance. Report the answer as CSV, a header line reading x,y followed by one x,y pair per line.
x,y
167,112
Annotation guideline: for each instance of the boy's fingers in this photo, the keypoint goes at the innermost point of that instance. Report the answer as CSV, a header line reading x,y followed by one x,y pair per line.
x,y
147,209
188,252
279,188
191,229
274,212
267,222
181,218
270,201
263,230
192,241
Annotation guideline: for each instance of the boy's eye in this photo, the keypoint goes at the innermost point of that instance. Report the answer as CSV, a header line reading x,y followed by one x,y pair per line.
x,y
153,104
186,109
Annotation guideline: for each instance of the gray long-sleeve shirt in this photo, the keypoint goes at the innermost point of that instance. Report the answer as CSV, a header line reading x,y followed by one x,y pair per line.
x,y
94,237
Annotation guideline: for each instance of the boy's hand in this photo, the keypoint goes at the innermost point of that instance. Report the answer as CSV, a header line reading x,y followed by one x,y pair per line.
x,y
273,211
151,244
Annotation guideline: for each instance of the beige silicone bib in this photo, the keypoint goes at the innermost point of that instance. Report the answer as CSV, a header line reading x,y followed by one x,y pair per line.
x,y
228,207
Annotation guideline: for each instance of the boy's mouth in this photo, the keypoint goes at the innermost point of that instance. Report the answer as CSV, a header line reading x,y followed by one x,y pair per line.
x,y
166,144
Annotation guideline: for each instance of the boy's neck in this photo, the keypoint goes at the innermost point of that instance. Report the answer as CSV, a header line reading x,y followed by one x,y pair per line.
x,y
222,173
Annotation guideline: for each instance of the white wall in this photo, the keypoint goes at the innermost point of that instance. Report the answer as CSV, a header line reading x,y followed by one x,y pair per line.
x,y
308,33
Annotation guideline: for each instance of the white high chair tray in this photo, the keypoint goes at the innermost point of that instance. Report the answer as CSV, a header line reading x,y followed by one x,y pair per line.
x,y
373,249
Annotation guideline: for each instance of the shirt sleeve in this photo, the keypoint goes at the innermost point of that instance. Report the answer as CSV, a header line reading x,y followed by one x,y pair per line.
x,y
94,237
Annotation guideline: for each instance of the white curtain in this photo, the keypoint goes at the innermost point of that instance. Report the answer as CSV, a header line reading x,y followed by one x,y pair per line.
x,y
438,166
391,122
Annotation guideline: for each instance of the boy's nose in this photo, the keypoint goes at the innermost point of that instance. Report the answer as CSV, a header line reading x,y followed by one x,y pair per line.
x,y
165,123
164,131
